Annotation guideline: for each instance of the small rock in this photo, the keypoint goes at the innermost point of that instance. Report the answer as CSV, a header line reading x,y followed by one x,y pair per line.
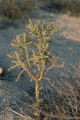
x,y
1,71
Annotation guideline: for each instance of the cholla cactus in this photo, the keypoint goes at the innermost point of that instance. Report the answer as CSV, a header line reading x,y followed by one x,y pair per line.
x,y
32,52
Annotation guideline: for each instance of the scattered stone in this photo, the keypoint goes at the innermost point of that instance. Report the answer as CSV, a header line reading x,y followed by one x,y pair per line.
x,y
1,71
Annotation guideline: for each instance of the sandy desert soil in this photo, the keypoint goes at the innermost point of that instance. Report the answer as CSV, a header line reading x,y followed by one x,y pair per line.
x,y
66,45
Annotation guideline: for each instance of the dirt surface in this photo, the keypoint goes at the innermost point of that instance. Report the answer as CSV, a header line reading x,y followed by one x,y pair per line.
x,y
66,46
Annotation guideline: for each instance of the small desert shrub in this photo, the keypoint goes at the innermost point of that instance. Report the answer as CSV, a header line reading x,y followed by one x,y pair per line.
x,y
15,8
64,6
74,7
33,54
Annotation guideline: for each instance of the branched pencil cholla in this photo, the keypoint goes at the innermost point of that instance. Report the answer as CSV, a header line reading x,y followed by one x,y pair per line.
x,y
32,52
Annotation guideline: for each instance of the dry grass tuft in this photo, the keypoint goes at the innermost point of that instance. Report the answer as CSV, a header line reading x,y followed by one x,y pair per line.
x,y
16,9
59,103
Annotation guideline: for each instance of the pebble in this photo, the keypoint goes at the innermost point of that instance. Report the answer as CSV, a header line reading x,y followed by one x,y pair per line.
x,y
1,71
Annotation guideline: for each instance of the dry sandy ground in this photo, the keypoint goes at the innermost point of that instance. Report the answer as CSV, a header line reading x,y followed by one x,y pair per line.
x,y
66,45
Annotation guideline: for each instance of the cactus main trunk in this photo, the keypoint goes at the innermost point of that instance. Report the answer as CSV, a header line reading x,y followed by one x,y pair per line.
x,y
37,92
